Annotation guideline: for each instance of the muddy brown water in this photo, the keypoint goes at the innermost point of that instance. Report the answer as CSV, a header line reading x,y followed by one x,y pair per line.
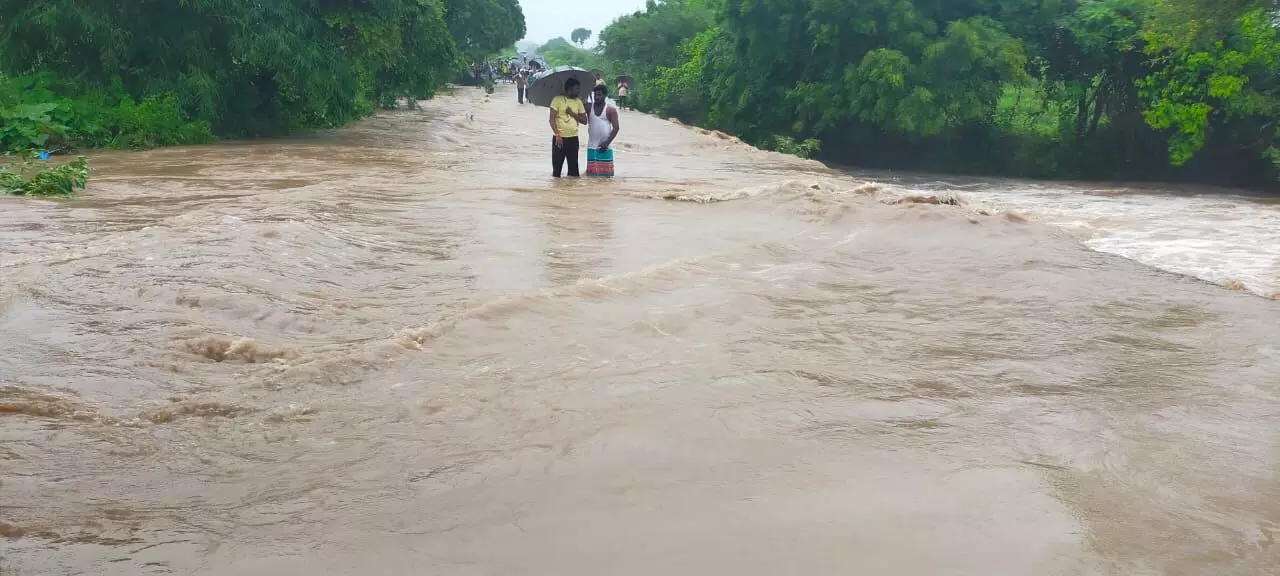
x,y
402,348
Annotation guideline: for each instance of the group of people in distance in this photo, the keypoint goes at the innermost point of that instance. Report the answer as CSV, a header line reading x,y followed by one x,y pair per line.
x,y
505,71
599,115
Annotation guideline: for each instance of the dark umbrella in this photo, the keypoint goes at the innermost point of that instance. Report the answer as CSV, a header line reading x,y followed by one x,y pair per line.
x,y
547,85
629,81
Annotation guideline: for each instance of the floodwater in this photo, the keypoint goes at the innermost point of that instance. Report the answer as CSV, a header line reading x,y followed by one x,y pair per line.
x,y
401,348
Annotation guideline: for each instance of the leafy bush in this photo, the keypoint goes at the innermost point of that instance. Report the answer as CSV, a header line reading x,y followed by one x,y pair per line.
x,y
31,179
682,91
33,116
27,126
788,145
118,121
27,115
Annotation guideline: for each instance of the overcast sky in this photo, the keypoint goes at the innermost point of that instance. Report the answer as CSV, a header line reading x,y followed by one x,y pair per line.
x,y
546,19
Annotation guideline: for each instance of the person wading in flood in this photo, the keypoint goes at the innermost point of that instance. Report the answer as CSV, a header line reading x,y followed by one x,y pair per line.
x,y
602,129
623,91
567,112
522,83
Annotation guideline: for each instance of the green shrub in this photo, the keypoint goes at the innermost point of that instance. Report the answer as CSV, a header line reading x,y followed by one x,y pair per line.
x,y
31,179
28,118
788,145
27,126
155,121
33,116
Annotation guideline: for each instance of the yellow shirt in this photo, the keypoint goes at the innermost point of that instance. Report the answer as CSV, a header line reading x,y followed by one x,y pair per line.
x,y
565,123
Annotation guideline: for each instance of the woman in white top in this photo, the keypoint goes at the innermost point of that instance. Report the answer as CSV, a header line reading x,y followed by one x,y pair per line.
x,y
602,129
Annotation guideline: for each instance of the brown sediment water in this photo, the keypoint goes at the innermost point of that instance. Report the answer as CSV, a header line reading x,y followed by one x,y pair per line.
x,y
403,348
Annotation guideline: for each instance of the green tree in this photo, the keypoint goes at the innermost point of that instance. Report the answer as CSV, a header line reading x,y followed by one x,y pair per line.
x,y
565,54
580,36
1229,84
484,27
683,91
1104,88
641,42
818,66
250,67
554,43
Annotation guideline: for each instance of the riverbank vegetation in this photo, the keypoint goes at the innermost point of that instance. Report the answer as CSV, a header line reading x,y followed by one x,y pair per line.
x,y
31,177
77,74
145,74
1108,89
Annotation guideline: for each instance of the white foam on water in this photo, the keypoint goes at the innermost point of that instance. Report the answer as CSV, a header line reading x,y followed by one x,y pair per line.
x,y
1225,239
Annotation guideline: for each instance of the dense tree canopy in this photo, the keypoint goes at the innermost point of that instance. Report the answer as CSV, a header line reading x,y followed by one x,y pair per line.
x,y
1062,88
646,40
484,27
243,67
580,36
559,52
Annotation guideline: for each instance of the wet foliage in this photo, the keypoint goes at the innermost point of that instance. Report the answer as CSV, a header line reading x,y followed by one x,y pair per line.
x,y
36,178
1147,89
154,73
33,116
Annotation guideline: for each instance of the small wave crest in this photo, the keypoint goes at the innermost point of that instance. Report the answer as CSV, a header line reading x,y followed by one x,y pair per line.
x,y
817,199
1151,228
797,189
244,350
18,400
1220,238
346,366
604,288
195,409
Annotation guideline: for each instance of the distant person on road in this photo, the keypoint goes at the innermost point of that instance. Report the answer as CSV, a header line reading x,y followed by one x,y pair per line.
x,y
623,90
522,84
567,112
602,130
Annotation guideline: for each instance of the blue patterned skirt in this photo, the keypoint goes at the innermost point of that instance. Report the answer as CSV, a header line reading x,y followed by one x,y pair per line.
x,y
600,163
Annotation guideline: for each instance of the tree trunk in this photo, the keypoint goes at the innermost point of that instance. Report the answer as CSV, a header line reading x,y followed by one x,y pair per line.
x,y
1099,103
1082,113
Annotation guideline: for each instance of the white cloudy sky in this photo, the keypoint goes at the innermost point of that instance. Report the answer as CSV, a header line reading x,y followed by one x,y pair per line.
x,y
547,19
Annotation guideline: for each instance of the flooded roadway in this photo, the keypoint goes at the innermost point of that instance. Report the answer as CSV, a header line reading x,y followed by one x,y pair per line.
x,y
402,348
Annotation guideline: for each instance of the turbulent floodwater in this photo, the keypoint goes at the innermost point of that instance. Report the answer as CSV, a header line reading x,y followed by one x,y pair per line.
x,y
402,348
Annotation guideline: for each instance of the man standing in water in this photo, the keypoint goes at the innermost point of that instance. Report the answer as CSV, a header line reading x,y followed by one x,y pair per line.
x,y
567,112
602,129
522,83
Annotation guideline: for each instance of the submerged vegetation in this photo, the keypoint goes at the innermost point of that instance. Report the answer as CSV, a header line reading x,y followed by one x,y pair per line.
x,y
146,74
1143,89
27,178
